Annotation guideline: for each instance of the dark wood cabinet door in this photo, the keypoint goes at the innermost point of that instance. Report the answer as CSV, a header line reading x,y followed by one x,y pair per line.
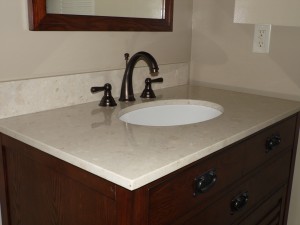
x,y
46,191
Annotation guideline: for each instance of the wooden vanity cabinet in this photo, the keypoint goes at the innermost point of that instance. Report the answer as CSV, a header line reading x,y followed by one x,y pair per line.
x,y
253,166
246,183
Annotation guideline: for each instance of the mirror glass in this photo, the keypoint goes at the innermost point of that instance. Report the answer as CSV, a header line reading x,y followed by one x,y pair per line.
x,y
152,9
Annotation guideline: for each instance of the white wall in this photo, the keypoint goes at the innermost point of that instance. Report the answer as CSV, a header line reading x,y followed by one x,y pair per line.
x,y
279,12
222,56
26,54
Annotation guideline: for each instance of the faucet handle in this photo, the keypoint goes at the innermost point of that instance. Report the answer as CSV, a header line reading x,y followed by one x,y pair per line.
x,y
126,56
148,92
107,99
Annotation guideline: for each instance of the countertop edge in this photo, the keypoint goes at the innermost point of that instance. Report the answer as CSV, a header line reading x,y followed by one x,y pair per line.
x,y
132,184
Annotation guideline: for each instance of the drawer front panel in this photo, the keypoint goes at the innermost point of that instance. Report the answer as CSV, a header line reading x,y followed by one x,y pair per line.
x,y
268,143
194,186
270,212
257,188
181,194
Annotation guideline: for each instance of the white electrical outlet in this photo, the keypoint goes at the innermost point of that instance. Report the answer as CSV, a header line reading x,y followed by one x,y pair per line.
x,y
262,36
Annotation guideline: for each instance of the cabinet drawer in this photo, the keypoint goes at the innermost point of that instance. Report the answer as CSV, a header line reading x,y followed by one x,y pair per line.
x,y
258,149
269,212
176,195
234,205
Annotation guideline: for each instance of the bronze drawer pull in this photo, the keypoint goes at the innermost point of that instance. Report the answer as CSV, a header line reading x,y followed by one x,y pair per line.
x,y
272,142
205,182
239,202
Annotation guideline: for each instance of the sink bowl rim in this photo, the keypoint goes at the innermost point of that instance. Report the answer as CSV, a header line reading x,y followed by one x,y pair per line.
x,y
176,102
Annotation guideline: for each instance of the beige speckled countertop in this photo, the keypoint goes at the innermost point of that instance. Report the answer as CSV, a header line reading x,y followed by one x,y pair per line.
x,y
94,139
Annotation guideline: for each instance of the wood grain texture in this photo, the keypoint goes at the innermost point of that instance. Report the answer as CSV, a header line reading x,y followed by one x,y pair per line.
x,y
269,212
259,187
45,190
255,148
175,196
293,161
3,186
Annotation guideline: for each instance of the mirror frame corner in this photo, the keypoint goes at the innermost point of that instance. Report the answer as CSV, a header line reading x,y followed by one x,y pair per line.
x,y
39,20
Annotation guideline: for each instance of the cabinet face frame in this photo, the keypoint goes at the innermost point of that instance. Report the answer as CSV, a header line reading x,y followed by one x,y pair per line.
x,y
3,186
293,161
40,20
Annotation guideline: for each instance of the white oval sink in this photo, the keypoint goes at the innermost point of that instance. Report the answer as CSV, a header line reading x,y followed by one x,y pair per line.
x,y
170,112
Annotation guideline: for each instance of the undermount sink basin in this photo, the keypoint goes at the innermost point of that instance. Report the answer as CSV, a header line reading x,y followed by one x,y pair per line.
x,y
170,112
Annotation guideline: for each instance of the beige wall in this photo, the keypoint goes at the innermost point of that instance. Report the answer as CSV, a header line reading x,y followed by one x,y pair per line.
x,y
222,56
27,54
222,53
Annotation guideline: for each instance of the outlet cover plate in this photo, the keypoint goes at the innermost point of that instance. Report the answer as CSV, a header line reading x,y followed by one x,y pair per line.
x,y
262,37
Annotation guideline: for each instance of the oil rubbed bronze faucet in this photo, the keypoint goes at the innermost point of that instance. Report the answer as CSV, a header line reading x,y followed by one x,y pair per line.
x,y
127,89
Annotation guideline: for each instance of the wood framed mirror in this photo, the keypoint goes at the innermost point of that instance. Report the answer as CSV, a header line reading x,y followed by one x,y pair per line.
x,y
40,20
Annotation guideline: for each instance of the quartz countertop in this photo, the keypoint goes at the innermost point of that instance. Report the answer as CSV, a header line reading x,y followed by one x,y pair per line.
x,y
94,139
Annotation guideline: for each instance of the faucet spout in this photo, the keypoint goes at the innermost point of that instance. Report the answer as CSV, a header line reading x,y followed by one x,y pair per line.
x,y
127,89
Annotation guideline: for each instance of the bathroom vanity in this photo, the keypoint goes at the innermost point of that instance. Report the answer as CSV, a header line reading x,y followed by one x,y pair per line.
x,y
82,165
